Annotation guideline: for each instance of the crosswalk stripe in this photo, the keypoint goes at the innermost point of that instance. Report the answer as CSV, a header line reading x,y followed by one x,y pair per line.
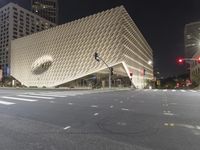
x,y
20,99
173,90
183,91
6,103
46,95
165,90
30,96
64,94
193,91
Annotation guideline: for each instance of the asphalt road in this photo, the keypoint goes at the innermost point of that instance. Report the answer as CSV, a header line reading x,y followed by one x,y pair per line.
x,y
99,120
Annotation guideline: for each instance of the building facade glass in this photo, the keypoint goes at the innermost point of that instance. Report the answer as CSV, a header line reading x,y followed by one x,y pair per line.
x,y
47,9
192,49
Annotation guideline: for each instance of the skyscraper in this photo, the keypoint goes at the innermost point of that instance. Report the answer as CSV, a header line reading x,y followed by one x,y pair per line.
x,y
16,22
192,49
47,9
192,39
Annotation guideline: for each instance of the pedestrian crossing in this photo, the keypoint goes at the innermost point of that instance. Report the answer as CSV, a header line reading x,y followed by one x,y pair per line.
x,y
6,103
39,96
172,90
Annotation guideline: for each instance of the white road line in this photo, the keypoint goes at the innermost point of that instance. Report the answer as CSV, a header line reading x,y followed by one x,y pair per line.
x,y
173,90
19,99
111,106
198,127
96,114
183,91
165,90
6,103
125,109
48,95
193,91
70,103
155,90
30,96
66,128
172,103
168,114
94,106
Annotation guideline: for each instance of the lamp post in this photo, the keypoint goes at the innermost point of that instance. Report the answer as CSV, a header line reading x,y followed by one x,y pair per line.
x,y
98,58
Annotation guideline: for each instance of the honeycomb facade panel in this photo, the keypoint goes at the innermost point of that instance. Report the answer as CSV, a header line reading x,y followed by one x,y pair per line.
x,y
66,52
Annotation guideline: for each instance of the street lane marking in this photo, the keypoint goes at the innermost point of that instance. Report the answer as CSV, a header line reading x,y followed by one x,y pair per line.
x,y
169,124
96,114
20,99
193,91
47,95
121,102
186,126
173,90
166,124
30,96
172,103
183,91
94,106
6,103
168,114
198,127
155,90
165,90
68,127
70,103
121,123
125,109
111,106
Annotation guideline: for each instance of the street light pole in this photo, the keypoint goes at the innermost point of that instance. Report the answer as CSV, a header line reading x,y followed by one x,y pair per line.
x,y
98,58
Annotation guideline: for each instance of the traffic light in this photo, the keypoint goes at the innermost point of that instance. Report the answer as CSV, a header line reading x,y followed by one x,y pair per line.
x,y
180,61
111,71
198,59
96,56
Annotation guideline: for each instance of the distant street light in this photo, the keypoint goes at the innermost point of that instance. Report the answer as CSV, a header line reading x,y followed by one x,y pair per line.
x,y
149,62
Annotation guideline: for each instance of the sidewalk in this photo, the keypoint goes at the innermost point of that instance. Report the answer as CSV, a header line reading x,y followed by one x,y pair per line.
x,y
65,89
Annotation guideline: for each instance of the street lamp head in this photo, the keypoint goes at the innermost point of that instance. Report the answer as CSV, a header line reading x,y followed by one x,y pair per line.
x,y
150,62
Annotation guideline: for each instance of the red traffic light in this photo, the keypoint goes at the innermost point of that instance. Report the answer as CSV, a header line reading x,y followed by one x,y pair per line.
x,y
198,59
180,60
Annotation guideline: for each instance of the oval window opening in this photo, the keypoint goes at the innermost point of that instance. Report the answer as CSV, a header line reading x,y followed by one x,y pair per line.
x,y
41,65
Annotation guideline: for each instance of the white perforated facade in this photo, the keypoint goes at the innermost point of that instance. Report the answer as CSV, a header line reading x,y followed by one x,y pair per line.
x,y
65,53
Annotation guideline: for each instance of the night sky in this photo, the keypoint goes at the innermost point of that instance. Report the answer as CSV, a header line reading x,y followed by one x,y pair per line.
x,y
161,22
